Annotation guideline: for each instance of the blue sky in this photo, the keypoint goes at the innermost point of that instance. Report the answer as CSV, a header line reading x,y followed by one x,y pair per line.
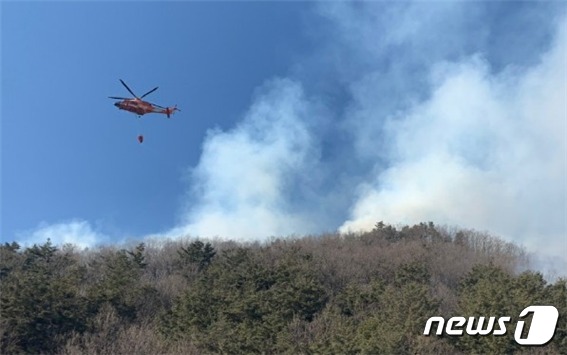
x,y
69,153
297,117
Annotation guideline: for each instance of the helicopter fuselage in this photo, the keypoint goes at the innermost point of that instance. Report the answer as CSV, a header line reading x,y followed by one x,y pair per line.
x,y
136,106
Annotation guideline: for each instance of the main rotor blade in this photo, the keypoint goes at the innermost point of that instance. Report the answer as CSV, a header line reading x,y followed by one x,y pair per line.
x,y
127,88
119,98
149,92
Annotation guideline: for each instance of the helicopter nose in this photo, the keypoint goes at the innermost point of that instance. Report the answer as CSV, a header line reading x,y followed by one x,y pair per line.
x,y
117,104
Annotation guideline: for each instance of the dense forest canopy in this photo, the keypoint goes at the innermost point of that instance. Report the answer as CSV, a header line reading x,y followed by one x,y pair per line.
x,y
369,292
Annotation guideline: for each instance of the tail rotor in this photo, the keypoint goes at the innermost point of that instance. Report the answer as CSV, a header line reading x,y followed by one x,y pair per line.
x,y
171,110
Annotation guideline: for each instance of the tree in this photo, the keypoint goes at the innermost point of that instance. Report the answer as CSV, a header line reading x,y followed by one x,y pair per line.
x,y
40,302
396,321
485,291
137,256
556,295
198,254
240,304
119,283
9,258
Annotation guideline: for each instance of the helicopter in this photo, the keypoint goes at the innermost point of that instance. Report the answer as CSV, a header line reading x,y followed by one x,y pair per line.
x,y
140,107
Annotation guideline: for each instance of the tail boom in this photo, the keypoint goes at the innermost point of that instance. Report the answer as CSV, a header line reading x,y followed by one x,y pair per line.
x,y
168,111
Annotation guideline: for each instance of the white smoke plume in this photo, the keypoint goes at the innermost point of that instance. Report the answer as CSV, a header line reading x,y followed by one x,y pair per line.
x,y
77,232
484,151
246,175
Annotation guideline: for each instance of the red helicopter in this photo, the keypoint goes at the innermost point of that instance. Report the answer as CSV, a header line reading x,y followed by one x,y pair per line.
x,y
140,107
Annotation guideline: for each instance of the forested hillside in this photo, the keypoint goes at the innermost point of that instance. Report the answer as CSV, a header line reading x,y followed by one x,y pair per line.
x,y
329,294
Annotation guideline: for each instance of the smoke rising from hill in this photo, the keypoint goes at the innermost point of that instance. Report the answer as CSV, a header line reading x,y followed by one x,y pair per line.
x,y
447,112
244,175
439,115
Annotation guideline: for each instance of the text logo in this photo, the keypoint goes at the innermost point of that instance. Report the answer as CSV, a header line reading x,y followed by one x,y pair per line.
x,y
543,325
542,328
